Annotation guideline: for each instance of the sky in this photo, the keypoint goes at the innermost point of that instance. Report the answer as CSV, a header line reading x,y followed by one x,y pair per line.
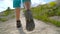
x,y
9,3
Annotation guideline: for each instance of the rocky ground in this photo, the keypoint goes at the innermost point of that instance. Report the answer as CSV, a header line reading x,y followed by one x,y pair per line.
x,y
9,27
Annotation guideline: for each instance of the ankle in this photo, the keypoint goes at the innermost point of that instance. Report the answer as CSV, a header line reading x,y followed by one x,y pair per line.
x,y
28,9
17,19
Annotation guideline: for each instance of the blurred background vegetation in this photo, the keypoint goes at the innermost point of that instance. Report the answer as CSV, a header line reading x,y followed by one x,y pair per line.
x,y
7,14
41,12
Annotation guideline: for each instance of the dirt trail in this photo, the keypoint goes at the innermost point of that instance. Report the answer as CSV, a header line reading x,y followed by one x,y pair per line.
x,y
9,27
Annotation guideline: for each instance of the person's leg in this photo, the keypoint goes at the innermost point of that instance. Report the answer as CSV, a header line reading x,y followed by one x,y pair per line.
x,y
16,5
29,19
27,4
18,17
17,13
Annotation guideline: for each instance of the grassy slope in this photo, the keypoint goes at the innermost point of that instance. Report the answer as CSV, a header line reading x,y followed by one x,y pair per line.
x,y
44,12
5,14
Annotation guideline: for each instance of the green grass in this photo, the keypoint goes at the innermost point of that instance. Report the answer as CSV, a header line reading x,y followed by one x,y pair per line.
x,y
42,13
7,13
13,16
3,19
47,20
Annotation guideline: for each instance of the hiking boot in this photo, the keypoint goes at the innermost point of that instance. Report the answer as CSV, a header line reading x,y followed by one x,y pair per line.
x,y
30,25
18,23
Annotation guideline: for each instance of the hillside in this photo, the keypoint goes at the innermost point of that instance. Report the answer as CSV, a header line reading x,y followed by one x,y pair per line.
x,y
41,12
7,14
